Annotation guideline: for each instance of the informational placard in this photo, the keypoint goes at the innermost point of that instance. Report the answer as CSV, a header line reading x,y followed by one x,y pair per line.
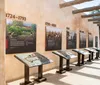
x,y
20,36
96,41
33,59
53,38
90,40
82,39
70,39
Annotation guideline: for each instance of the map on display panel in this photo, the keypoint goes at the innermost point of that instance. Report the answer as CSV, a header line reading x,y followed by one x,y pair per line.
x,y
33,59
81,52
64,54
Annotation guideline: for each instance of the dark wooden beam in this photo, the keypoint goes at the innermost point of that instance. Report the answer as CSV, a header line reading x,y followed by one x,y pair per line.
x,y
72,3
95,19
86,9
97,22
90,15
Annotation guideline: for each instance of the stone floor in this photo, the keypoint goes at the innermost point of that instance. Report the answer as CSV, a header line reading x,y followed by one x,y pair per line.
x,y
89,74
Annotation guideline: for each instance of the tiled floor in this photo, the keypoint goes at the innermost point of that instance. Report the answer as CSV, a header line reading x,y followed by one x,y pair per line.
x,y
89,74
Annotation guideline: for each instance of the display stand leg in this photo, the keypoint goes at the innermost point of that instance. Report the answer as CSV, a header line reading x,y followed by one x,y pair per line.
x,y
67,68
97,55
82,59
78,64
61,69
89,58
92,55
26,75
40,74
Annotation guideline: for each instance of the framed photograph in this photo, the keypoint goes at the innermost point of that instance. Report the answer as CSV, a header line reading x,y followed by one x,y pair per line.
x,y
82,39
53,39
90,40
70,39
96,41
20,36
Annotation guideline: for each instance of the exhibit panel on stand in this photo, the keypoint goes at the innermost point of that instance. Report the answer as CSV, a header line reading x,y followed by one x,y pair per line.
x,y
20,36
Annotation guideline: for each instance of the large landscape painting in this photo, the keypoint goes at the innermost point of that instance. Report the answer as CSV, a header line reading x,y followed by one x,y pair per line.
x,y
90,40
71,39
20,36
53,38
96,41
82,39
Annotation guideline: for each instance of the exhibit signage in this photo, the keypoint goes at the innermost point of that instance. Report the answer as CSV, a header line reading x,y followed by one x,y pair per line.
x,y
90,40
70,39
96,41
53,38
12,16
20,36
33,59
82,39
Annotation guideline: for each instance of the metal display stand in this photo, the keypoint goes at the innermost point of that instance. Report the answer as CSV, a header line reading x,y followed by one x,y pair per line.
x,y
32,60
40,74
91,51
83,53
98,53
26,76
63,55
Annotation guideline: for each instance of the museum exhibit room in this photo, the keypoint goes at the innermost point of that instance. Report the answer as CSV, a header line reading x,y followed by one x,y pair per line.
x,y
49,42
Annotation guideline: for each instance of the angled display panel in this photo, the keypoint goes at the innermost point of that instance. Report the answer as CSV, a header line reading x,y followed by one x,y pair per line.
x,y
33,59
82,39
70,39
53,38
20,36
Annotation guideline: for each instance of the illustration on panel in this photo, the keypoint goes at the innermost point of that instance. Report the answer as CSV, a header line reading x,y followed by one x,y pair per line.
x,y
96,41
90,40
82,39
20,36
71,39
53,38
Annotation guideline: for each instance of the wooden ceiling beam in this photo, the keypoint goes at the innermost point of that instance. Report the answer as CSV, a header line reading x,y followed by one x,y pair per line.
x,y
94,19
72,3
90,15
86,9
97,22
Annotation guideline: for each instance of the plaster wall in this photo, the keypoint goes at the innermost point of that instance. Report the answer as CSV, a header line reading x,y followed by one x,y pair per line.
x,y
39,12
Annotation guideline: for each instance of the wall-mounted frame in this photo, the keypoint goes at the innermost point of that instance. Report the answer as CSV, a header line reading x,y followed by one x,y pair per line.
x,y
71,39
53,38
90,40
82,39
96,41
20,36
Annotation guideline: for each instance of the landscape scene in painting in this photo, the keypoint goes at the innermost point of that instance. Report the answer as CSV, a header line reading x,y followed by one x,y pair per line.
x,y
20,36
90,40
96,41
71,39
82,43
53,38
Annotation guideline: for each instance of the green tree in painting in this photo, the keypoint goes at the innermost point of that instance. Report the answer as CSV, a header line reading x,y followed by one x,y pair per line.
x,y
17,23
17,28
